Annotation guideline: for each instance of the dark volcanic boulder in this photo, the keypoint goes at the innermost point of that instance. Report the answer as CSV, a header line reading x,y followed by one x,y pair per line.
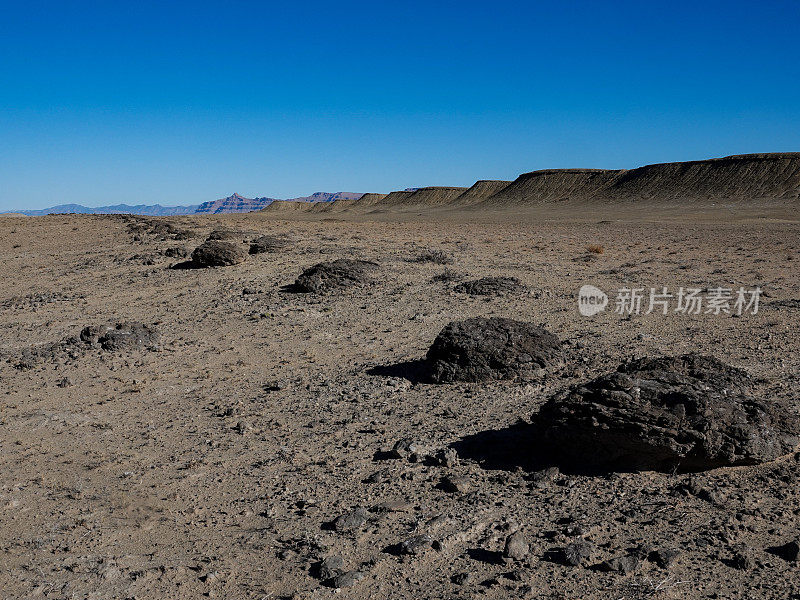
x,y
122,336
214,253
337,274
226,234
481,349
690,412
490,286
267,243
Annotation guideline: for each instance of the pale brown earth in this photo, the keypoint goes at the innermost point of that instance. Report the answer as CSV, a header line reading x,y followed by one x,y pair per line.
x,y
213,465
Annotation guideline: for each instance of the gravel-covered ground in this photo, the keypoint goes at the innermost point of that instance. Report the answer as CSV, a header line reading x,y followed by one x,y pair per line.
x,y
258,436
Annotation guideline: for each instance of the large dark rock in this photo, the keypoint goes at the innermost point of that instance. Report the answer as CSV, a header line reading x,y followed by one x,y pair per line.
x,y
690,412
215,253
267,243
482,349
490,286
225,234
336,274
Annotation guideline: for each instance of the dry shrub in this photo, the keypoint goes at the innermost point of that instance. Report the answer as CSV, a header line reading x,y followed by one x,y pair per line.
x,y
595,248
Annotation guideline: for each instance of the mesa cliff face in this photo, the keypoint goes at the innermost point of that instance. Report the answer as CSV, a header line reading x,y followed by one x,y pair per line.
x,y
749,178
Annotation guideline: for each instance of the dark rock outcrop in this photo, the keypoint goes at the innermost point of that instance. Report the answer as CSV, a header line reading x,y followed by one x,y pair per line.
x,y
122,336
226,234
339,273
483,349
215,253
690,412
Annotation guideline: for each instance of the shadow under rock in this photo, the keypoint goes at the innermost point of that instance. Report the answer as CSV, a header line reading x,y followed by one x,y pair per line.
x,y
187,264
520,446
489,557
415,371
292,288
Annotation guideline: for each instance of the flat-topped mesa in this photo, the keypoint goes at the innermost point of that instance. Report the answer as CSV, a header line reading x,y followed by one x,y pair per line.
x,y
480,191
342,204
434,196
290,206
741,177
427,196
393,199
552,185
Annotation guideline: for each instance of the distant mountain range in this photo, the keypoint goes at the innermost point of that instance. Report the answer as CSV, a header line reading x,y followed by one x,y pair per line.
x,y
231,204
744,178
237,203
138,209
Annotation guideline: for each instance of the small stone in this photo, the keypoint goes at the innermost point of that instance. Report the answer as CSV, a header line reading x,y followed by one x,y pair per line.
x,y
626,565
456,485
406,448
378,476
542,479
176,252
347,579
331,567
516,547
664,557
242,427
435,523
742,558
463,578
643,551
416,545
350,521
446,457
517,575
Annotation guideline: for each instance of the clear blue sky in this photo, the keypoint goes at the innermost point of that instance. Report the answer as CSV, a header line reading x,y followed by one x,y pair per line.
x,y
182,102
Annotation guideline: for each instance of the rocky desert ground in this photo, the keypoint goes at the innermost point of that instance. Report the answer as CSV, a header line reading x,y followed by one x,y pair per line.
x,y
234,432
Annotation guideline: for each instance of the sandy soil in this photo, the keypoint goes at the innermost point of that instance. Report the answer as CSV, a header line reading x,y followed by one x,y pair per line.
x,y
215,465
